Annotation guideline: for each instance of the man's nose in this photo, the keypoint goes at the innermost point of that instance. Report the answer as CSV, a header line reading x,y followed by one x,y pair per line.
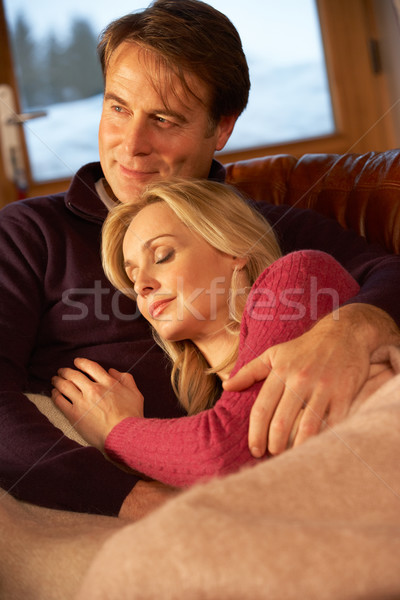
x,y
137,137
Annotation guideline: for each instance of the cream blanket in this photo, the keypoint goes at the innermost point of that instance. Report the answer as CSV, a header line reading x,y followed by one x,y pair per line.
x,y
56,417
321,522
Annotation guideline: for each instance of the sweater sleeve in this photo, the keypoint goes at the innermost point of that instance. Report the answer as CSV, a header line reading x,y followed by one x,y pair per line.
x,y
284,302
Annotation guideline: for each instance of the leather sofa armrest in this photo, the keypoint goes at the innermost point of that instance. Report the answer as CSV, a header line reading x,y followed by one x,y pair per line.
x,y
360,191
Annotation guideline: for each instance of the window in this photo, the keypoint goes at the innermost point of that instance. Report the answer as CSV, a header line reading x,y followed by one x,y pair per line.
x,y
354,113
57,70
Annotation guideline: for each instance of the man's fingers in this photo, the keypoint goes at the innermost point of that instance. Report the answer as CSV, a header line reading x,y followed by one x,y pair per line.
x,y
311,423
325,409
322,411
256,370
282,423
261,414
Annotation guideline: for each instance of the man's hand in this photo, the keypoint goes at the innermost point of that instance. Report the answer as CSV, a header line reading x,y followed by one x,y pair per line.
x,y
311,381
145,497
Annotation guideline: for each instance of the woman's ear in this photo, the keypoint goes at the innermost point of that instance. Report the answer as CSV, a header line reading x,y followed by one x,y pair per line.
x,y
239,262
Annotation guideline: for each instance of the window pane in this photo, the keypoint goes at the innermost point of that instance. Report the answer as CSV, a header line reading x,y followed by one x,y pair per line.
x,y
57,69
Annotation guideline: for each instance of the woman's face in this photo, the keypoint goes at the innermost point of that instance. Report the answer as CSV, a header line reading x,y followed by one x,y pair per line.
x,y
182,283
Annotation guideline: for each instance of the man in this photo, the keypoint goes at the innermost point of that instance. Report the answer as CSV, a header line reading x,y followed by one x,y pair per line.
x,y
172,96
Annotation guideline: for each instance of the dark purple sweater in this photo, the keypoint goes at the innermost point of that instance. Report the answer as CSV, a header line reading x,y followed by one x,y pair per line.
x,y
56,304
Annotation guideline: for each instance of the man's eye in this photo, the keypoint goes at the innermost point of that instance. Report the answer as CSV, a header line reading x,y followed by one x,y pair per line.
x,y
163,121
163,256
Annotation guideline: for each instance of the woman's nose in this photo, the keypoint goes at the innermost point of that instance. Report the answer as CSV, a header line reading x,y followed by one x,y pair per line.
x,y
144,283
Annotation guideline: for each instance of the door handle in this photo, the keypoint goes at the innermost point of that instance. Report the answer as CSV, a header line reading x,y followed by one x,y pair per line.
x,y
10,137
24,117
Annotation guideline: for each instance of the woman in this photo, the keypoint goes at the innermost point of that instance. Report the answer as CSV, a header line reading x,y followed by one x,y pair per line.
x,y
207,273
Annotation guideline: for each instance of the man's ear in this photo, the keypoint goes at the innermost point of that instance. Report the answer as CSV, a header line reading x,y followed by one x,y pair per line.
x,y
224,130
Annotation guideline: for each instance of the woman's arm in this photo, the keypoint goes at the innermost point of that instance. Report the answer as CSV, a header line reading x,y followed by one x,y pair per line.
x,y
287,299
107,410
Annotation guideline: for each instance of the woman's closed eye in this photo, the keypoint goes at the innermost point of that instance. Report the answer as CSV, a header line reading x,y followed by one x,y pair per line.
x,y
163,254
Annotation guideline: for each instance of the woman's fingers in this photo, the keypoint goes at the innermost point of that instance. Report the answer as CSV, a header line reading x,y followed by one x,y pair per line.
x,y
93,369
125,379
66,387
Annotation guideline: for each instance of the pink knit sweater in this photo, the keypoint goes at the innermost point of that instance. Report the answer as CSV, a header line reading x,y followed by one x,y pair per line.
x,y
285,301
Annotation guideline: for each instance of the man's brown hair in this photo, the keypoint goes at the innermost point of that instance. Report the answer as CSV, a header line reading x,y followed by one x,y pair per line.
x,y
188,37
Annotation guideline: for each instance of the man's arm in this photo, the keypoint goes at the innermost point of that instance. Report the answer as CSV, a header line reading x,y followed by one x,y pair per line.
x,y
37,463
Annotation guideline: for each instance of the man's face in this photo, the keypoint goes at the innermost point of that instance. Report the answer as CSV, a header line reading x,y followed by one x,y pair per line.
x,y
143,137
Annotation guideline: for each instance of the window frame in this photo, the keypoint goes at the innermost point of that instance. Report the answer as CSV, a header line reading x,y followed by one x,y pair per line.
x,y
359,95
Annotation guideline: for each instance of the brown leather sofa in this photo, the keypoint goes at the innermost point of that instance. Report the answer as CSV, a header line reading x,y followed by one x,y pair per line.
x,y
361,191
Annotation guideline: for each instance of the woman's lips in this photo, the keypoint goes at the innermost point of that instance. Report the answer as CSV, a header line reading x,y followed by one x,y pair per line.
x,y
156,308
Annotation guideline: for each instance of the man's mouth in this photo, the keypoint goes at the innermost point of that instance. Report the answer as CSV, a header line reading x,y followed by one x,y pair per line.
x,y
137,173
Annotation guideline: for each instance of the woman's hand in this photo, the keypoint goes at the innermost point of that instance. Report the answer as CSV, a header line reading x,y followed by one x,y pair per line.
x,y
96,402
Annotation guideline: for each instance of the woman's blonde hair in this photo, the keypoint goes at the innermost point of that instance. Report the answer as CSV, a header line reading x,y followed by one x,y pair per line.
x,y
217,213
